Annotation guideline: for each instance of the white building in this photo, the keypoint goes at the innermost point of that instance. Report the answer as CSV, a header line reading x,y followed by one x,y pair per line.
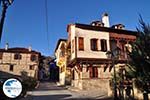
x,y
86,48
61,59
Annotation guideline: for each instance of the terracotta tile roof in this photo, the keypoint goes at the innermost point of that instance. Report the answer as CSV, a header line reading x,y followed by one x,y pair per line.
x,y
59,43
105,29
19,50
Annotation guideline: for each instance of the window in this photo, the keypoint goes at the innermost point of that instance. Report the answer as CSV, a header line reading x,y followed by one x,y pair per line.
x,y
81,43
94,44
103,45
113,44
1,55
62,53
11,67
73,74
17,56
33,57
31,67
93,72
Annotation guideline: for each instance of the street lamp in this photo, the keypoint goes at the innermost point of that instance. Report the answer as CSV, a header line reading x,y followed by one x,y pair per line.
x,y
128,47
114,55
4,4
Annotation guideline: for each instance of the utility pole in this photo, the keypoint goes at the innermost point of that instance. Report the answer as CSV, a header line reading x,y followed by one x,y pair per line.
x,y
4,4
114,56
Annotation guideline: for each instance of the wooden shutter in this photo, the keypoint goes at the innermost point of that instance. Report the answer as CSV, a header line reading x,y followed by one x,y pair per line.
x,y
87,68
1,55
94,45
79,67
96,72
73,76
91,44
17,56
103,45
20,57
90,72
81,43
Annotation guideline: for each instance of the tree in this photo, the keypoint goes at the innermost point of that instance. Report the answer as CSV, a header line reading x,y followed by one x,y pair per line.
x,y
44,65
140,57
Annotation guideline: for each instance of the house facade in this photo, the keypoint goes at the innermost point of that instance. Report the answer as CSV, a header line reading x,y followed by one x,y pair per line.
x,y
87,46
61,59
19,61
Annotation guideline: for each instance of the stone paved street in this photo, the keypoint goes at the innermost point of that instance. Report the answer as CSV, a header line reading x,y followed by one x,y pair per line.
x,y
50,91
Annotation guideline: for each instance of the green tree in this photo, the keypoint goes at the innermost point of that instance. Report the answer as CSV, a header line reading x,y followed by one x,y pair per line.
x,y
140,57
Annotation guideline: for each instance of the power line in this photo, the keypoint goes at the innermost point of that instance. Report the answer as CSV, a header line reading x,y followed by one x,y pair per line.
x,y
47,25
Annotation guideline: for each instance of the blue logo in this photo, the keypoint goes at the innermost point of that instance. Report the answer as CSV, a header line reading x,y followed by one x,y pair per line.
x,y
12,88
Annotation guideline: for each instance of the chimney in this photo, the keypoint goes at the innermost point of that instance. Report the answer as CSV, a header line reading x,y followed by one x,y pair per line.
x,y
30,48
6,46
105,20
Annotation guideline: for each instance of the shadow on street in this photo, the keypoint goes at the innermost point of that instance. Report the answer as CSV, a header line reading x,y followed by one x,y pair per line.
x,y
64,97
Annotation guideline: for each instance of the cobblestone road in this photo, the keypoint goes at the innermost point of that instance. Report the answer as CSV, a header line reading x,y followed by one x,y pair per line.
x,y
50,91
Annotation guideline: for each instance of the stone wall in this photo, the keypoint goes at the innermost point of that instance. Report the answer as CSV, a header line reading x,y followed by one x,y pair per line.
x,y
68,76
92,84
83,81
62,78
89,84
19,65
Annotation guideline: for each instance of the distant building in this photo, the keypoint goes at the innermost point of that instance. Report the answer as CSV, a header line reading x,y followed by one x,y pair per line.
x,y
19,61
61,59
44,68
54,71
86,52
